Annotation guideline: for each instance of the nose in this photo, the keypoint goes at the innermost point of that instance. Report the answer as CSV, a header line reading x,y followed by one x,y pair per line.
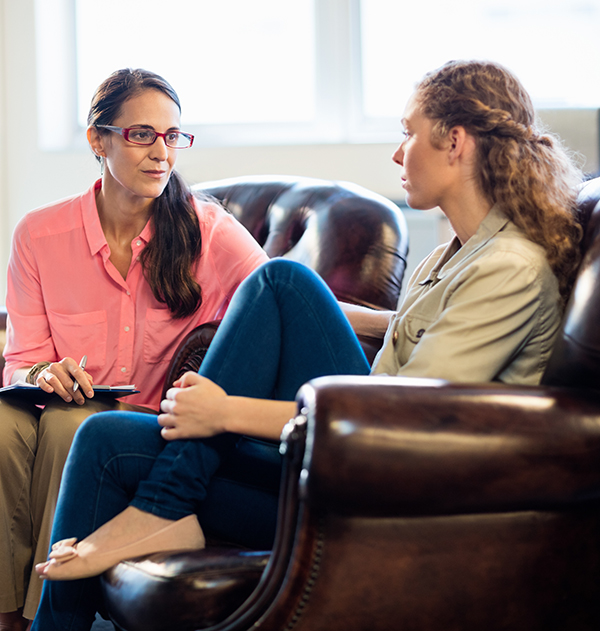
x,y
159,150
398,156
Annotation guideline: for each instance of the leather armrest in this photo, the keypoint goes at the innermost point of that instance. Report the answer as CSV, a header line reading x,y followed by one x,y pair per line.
x,y
401,446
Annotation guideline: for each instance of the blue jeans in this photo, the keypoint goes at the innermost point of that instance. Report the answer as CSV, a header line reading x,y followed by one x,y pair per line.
x,y
283,316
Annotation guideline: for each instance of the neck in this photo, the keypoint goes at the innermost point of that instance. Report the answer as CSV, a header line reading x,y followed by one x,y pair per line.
x,y
122,218
466,214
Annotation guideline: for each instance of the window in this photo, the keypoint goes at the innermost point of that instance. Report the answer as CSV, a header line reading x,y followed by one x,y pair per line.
x,y
230,61
551,45
304,71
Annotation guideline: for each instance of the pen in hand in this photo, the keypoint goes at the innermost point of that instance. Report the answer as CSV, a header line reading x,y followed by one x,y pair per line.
x,y
82,365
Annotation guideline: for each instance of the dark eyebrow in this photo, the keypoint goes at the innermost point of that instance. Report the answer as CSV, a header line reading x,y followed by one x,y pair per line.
x,y
152,128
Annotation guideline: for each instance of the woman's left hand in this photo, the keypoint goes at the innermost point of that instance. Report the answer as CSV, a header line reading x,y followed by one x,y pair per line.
x,y
193,408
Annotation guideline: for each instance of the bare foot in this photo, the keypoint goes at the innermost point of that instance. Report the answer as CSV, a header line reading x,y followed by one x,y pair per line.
x,y
130,534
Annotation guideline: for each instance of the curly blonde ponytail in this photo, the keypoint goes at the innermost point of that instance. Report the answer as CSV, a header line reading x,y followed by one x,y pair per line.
x,y
528,173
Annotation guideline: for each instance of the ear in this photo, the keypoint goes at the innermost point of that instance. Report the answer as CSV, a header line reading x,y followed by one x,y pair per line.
x,y
96,142
460,144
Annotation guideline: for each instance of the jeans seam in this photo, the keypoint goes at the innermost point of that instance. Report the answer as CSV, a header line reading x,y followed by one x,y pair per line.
x,y
104,474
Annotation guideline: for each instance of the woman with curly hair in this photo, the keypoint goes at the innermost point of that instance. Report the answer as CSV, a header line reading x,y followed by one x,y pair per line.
x,y
484,307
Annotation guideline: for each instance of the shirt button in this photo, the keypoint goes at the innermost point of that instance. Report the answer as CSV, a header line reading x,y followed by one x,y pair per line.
x,y
127,328
124,369
137,258
138,242
395,337
420,333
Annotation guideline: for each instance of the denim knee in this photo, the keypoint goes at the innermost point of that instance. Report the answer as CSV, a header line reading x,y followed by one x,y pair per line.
x,y
117,431
97,426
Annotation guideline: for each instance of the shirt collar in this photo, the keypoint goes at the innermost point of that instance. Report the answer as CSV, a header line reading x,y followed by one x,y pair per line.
x,y
93,227
493,223
91,219
146,233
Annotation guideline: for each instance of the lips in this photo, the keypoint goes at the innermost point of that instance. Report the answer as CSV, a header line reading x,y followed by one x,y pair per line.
x,y
155,174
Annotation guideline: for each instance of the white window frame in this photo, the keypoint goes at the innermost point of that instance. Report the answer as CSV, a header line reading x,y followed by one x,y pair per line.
x,y
337,84
339,113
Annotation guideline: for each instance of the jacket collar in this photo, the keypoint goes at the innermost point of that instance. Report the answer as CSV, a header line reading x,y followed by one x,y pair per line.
x,y
455,253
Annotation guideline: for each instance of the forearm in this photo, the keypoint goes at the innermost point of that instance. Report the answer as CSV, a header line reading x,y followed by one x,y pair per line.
x,y
260,418
365,321
196,407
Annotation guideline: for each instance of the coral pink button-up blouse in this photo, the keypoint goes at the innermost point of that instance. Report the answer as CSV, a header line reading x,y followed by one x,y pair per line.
x,y
65,298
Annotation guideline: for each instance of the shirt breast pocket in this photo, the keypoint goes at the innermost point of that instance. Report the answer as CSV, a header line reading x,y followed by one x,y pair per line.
x,y
415,328
78,334
410,332
162,335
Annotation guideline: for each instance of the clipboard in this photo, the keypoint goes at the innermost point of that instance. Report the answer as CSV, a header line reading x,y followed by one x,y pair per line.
x,y
34,394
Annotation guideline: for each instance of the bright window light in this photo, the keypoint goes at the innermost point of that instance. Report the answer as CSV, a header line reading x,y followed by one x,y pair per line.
x,y
551,45
230,61
303,71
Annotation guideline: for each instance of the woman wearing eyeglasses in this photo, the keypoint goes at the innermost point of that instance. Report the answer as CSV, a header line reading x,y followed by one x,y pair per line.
x,y
120,273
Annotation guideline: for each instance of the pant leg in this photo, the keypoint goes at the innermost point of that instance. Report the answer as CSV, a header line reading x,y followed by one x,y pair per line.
x,y
18,444
111,453
271,301
58,424
283,327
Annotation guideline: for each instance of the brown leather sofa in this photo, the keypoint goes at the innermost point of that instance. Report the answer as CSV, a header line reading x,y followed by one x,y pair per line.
x,y
416,505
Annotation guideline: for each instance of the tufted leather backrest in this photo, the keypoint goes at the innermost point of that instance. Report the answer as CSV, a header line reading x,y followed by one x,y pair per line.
x,y
356,240
575,360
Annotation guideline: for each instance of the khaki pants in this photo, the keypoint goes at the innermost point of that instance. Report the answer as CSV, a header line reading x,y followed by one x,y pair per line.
x,y
34,444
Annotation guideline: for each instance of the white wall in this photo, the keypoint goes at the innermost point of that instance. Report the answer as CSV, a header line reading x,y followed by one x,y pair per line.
x,y
30,177
4,222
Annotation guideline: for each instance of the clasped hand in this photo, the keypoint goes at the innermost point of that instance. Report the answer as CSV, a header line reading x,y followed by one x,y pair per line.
x,y
60,377
195,407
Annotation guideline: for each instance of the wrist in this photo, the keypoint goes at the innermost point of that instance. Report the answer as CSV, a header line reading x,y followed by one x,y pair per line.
x,y
228,418
35,370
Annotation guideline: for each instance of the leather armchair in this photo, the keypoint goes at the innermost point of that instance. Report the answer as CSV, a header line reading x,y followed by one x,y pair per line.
x,y
356,240
416,504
